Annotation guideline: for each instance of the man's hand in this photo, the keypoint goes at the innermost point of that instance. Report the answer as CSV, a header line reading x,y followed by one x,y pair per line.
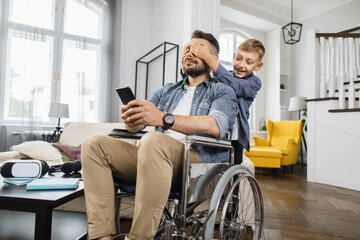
x,y
185,53
139,112
147,113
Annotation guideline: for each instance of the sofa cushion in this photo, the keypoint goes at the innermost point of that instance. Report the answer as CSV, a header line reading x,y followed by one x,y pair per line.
x,y
10,155
72,152
75,133
40,150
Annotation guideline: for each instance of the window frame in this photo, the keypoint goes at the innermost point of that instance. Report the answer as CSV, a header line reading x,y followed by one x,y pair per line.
x,y
59,38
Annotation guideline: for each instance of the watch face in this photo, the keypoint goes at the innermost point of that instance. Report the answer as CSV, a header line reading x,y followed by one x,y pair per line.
x,y
169,119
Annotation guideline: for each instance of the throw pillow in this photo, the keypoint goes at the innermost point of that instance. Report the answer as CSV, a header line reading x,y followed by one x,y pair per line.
x,y
73,153
39,150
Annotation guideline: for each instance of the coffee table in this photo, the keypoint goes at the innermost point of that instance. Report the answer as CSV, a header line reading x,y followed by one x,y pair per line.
x,y
42,203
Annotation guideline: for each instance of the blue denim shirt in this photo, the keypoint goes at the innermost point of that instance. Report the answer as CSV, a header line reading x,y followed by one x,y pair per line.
x,y
210,98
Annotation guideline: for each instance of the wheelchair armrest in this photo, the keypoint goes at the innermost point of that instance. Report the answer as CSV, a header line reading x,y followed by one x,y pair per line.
x,y
208,141
123,133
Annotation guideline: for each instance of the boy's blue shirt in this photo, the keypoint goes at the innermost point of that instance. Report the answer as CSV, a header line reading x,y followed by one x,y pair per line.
x,y
246,89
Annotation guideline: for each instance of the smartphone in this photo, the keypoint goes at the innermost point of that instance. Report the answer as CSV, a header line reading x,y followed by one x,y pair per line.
x,y
126,95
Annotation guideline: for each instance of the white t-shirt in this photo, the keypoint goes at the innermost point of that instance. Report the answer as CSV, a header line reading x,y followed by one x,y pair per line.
x,y
183,109
235,131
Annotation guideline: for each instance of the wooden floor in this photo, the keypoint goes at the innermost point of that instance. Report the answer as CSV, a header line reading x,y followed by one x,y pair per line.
x,y
297,209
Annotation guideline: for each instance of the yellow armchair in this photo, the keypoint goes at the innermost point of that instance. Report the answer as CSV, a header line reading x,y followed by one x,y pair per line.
x,y
282,146
261,142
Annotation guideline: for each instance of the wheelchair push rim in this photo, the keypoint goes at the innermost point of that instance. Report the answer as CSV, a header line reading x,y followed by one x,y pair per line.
x,y
234,205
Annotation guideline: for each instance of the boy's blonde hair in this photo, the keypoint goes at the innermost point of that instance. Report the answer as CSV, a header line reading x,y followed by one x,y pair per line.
x,y
253,45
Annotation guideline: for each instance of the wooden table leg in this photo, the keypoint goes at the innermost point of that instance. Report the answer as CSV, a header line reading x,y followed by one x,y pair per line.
x,y
43,220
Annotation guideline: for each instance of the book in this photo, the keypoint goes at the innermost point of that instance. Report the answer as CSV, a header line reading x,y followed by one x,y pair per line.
x,y
53,184
123,133
18,181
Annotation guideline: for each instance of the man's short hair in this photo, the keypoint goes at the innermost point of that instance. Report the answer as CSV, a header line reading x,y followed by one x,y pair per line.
x,y
207,36
253,45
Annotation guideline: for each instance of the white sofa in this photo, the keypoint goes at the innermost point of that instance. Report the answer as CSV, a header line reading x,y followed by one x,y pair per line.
x,y
73,134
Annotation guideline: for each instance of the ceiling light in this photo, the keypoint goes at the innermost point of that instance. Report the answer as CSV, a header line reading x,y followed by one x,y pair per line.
x,y
292,31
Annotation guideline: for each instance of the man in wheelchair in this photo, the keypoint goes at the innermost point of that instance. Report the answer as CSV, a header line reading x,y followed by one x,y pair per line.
x,y
196,105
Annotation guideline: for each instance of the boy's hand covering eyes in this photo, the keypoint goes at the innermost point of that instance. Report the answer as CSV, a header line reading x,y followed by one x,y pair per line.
x,y
200,50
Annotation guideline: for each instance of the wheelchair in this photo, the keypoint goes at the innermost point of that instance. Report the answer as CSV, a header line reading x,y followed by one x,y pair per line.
x,y
216,201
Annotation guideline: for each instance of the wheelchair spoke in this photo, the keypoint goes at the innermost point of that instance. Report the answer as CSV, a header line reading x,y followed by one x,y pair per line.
x,y
240,207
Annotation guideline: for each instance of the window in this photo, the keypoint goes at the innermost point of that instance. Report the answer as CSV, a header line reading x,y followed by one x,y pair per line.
x,y
52,50
229,42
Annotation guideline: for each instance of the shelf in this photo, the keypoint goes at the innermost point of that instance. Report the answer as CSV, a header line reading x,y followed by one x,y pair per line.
x,y
66,225
345,110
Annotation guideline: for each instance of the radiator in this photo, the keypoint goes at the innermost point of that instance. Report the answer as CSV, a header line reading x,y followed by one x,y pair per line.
x,y
14,135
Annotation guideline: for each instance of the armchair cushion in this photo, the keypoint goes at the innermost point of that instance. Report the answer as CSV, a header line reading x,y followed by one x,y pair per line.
x,y
280,132
261,142
264,152
282,150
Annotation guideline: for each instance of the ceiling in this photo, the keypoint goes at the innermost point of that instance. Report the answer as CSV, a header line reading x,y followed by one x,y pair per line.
x,y
266,15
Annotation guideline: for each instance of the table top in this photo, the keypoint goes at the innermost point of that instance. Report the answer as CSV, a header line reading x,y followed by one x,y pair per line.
x,y
13,194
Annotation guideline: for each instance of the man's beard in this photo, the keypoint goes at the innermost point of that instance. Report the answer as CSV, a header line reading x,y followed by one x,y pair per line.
x,y
196,71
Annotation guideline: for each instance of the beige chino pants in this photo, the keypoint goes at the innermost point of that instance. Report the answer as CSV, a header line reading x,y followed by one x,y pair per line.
x,y
153,165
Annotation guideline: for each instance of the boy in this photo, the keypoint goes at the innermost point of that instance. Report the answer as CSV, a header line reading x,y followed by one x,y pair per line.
x,y
247,59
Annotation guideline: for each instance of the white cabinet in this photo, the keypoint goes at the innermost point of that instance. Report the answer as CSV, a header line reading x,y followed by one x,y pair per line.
x,y
278,76
285,80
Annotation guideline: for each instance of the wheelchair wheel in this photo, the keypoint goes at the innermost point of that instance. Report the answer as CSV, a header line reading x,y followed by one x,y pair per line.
x,y
236,208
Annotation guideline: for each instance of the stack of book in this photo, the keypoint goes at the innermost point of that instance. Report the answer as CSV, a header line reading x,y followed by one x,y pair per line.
x,y
45,183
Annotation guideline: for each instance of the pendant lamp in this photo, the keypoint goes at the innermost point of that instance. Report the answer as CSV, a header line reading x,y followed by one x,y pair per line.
x,y
292,31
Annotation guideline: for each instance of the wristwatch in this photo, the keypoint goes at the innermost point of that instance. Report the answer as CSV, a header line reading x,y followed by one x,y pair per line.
x,y
168,121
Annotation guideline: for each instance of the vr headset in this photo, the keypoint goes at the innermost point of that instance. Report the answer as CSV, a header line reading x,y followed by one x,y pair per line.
x,y
18,168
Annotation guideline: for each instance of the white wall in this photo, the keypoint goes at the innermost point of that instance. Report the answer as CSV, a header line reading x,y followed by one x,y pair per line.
x,y
166,27
147,23
115,74
135,38
333,138
339,19
272,102
333,149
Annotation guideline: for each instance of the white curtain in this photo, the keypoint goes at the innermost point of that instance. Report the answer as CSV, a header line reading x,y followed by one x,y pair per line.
x,y
28,90
33,56
93,103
